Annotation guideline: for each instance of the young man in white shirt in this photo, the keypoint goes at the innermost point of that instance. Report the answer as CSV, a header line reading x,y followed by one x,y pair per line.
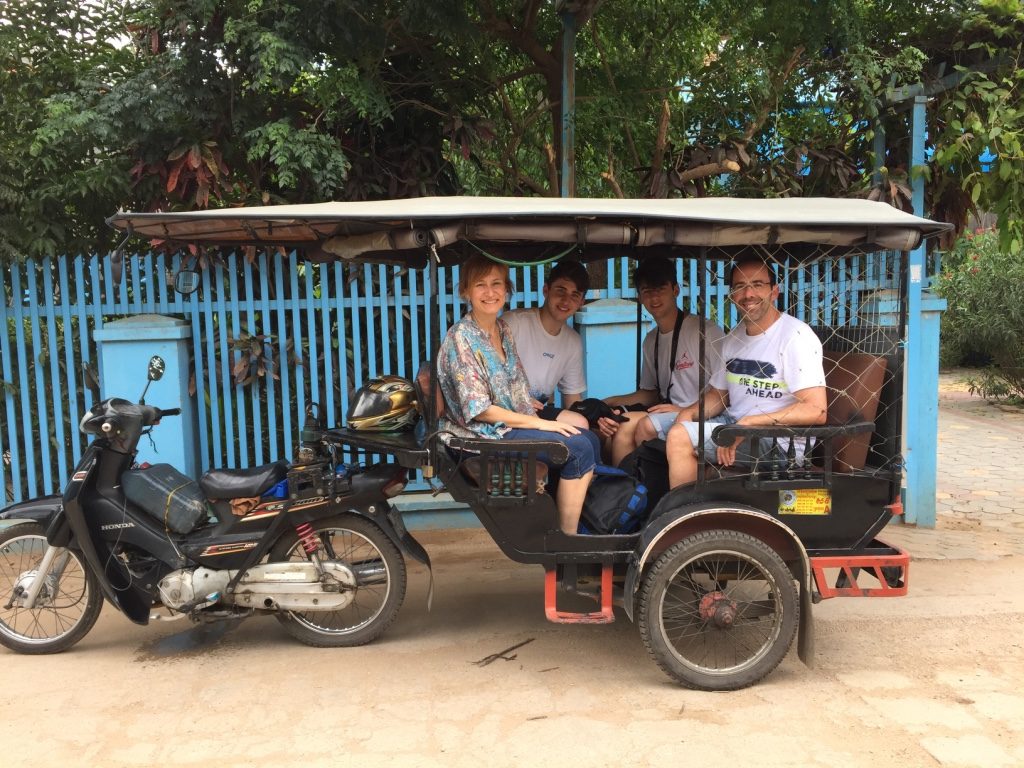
x,y
670,370
551,351
773,375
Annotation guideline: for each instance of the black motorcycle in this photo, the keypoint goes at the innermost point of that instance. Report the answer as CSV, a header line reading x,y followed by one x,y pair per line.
x,y
316,544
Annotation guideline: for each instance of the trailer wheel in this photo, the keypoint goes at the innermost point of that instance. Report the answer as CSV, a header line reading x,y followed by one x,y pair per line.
x,y
718,610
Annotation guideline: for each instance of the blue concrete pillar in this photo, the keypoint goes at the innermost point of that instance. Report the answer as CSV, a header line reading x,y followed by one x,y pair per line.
x,y
608,328
921,420
921,415
125,347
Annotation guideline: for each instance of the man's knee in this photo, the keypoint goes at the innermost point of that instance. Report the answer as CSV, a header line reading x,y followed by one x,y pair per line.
x,y
644,431
678,440
575,419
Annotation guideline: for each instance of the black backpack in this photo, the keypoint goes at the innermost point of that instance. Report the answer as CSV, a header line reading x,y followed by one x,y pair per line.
x,y
615,503
649,465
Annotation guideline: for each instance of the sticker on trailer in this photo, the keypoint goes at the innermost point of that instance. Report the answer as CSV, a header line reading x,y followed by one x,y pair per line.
x,y
805,501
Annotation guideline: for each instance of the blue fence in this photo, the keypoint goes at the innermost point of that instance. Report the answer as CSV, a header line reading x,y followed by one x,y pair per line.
x,y
292,331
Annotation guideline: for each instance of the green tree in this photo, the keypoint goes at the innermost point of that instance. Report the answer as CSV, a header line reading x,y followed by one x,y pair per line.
x,y
55,195
190,103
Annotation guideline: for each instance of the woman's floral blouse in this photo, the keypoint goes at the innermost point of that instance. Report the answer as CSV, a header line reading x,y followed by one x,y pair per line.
x,y
473,377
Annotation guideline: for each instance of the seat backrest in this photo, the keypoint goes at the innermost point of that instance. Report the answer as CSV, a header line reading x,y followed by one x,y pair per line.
x,y
429,394
854,381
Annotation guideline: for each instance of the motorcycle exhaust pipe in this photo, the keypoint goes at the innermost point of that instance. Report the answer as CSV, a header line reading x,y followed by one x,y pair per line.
x,y
369,572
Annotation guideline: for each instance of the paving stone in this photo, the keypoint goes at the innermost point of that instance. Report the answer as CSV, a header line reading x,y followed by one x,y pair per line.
x,y
875,679
918,715
1004,707
969,681
968,750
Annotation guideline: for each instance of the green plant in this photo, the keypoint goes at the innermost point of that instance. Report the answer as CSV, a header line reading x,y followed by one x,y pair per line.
x,y
984,286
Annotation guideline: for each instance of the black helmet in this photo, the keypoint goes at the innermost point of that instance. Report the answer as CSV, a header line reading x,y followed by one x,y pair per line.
x,y
383,404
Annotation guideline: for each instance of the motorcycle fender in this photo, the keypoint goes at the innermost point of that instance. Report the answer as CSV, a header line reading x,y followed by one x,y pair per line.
x,y
33,511
672,526
390,521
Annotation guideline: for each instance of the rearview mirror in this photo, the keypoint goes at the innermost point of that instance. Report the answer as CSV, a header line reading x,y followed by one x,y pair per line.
x,y
186,282
156,368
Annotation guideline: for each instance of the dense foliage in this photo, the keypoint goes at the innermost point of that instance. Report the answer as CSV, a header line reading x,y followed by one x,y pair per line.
x,y
193,103
984,323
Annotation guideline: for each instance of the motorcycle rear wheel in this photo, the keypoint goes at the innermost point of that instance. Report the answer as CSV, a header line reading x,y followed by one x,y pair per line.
x,y
363,546
67,606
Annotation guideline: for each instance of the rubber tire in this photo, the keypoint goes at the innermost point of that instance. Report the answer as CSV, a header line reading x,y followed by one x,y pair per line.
x,y
93,597
668,564
393,602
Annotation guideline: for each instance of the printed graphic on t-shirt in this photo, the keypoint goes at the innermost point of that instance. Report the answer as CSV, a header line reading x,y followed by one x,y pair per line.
x,y
684,362
756,377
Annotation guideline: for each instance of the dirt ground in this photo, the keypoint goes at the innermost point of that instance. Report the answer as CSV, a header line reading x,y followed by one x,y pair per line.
x,y
936,678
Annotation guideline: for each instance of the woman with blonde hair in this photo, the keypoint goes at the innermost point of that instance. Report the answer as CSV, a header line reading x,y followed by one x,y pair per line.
x,y
486,391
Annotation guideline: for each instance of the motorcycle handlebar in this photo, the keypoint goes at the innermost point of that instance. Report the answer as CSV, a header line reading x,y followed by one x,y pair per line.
x,y
152,414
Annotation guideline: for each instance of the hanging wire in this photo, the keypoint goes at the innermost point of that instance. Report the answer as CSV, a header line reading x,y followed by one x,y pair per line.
x,y
511,263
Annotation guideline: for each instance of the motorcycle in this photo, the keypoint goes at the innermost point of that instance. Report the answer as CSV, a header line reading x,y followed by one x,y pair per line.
x,y
316,544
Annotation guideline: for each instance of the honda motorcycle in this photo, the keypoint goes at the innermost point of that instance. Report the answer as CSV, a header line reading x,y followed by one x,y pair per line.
x,y
315,543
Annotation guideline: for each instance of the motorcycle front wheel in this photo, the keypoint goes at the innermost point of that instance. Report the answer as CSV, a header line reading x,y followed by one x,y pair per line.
x,y
69,601
380,577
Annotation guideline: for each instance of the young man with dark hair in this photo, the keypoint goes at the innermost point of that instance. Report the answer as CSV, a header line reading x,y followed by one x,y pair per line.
x,y
670,370
772,376
551,351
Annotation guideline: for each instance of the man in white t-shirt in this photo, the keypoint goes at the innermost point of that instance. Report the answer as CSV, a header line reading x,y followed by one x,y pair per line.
x,y
772,375
551,351
670,370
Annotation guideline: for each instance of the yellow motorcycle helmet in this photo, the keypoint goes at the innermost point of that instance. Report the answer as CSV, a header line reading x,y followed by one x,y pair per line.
x,y
383,404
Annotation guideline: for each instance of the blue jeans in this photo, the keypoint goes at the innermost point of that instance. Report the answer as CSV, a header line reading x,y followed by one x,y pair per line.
x,y
584,449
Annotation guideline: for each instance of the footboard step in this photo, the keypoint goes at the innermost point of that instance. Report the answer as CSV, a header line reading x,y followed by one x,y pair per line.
x,y
603,616
863,575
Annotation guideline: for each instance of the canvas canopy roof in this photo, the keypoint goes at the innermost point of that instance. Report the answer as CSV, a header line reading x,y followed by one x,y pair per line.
x,y
533,229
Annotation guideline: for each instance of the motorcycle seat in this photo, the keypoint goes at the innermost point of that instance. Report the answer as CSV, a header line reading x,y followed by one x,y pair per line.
x,y
236,483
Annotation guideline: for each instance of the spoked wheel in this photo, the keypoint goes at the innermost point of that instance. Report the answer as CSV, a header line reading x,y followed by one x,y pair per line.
x,y
69,601
718,610
379,571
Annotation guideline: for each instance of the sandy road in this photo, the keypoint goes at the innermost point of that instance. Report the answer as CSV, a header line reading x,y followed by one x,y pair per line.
x,y
936,678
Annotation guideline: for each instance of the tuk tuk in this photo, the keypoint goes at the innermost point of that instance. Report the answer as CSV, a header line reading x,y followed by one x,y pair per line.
x,y
722,574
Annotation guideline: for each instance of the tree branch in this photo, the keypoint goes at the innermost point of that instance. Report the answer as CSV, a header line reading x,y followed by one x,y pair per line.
x,y
520,178
659,148
777,81
708,169
635,156
609,176
552,163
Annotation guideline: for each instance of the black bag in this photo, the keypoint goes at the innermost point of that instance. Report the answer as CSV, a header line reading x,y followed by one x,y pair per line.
x,y
615,503
649,465
171,497
593,409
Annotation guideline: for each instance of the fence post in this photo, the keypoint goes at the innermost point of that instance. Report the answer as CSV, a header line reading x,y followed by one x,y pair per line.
x,y
125,347
921,417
